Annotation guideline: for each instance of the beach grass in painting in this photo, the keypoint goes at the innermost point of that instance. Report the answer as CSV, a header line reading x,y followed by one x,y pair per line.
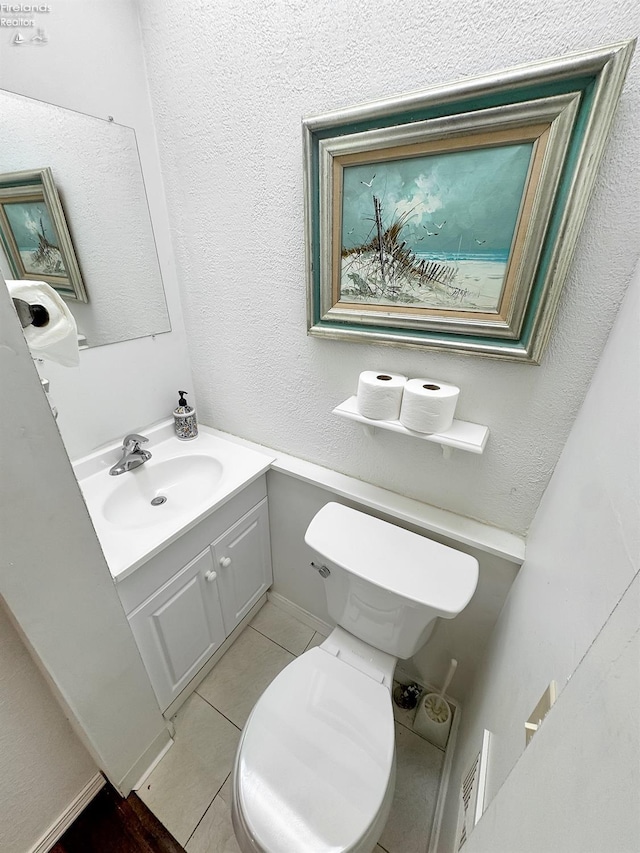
x,y
433,231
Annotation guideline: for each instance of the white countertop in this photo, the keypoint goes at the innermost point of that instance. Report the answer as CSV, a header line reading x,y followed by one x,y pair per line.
x,y
135,532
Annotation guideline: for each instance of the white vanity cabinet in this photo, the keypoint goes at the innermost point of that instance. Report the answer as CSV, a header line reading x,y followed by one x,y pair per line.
x,y
242,557
184,602
179,627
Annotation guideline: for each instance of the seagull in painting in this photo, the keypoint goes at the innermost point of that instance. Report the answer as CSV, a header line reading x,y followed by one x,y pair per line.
x,y
430,233
351,232
370,182
420,238
439,227
480,242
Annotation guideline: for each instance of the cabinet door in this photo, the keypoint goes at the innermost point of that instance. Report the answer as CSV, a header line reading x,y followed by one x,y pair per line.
x,y
242,559
179,627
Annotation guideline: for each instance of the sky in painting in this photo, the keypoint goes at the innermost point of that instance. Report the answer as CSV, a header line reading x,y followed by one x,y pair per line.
x,y
27,219
460,203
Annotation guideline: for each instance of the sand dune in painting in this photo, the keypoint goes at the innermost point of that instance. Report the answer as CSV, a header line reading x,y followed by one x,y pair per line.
x,y
470,284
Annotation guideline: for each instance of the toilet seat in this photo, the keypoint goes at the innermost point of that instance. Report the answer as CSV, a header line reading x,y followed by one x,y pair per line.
x,y
315,765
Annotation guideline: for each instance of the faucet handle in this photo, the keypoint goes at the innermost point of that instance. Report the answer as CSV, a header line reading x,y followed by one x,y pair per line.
x,y
132,441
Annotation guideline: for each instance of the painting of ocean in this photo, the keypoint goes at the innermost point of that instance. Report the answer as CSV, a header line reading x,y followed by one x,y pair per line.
x,y
433,231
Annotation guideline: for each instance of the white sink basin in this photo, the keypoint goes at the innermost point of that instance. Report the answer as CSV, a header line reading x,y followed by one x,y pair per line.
x,y
195,477
185,483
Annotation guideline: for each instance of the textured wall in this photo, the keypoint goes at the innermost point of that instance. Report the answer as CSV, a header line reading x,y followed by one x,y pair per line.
x,y
43,762
93,63
580,776
229,84
583,559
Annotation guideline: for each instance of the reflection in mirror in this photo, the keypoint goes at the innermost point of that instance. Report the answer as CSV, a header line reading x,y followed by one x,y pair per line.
x,y
34,233
97,172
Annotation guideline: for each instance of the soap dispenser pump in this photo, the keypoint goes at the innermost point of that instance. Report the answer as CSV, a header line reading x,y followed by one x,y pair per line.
x,y
185,419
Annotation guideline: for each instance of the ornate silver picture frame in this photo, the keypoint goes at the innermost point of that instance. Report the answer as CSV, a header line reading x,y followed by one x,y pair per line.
x,y
35,235
447,218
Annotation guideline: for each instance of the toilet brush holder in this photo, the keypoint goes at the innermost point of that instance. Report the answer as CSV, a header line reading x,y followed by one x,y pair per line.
x,y
433,719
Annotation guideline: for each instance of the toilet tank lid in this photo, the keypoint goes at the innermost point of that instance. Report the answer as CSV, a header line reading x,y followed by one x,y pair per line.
x,y
390,557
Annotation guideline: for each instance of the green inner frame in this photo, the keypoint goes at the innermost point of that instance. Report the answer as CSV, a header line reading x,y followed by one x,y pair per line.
x,y
585,85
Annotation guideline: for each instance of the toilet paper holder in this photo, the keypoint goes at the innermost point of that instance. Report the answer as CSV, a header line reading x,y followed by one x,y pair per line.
x,y
30,315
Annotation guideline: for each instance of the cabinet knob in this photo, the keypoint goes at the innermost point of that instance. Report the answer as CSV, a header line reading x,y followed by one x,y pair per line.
x,y
210,576
225,562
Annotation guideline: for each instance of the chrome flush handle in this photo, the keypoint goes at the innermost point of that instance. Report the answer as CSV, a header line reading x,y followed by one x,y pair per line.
x,y
323,571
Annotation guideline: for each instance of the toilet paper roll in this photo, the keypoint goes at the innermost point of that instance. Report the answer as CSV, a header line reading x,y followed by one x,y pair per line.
x,y
380,394
58,339
428,406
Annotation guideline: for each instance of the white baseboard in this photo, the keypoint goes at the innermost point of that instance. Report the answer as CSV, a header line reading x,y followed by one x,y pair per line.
x,y
445,780
300,613
404,677
171,731
57,829
143,765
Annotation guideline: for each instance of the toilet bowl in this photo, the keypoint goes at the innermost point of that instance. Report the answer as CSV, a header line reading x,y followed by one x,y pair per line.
x,y
315,766
315,769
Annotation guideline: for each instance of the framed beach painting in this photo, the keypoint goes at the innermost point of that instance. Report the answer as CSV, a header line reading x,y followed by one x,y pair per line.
x,y
447,218
34,233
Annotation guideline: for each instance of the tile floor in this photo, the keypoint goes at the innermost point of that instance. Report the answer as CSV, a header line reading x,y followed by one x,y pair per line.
x,y
190,789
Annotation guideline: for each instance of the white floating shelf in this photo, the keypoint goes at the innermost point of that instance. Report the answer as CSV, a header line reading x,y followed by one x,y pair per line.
x,y
461,435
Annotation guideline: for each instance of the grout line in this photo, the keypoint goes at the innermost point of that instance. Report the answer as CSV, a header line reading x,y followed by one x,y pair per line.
x,y
306,648
207,808
276,643
217,710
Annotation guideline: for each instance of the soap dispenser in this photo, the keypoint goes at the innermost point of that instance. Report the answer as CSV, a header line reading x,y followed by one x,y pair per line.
x,y
185,419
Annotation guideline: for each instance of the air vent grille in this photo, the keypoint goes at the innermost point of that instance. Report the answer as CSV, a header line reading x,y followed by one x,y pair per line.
x,y
472,792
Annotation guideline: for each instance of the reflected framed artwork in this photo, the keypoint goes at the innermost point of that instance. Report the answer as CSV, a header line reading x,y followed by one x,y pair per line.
x,y
447,218
35,235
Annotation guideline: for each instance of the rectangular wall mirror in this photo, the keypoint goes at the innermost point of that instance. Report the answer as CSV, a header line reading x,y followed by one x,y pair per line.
x,y
97,173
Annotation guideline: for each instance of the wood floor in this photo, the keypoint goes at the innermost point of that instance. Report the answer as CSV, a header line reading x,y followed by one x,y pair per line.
x,y
110,824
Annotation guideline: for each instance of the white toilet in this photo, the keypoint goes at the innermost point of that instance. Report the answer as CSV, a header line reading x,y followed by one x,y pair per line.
x,y
315,767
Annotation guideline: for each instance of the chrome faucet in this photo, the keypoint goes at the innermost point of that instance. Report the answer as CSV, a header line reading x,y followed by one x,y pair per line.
x,y
133,456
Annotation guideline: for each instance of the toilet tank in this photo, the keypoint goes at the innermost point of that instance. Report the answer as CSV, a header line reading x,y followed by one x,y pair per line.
x,y
387,585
